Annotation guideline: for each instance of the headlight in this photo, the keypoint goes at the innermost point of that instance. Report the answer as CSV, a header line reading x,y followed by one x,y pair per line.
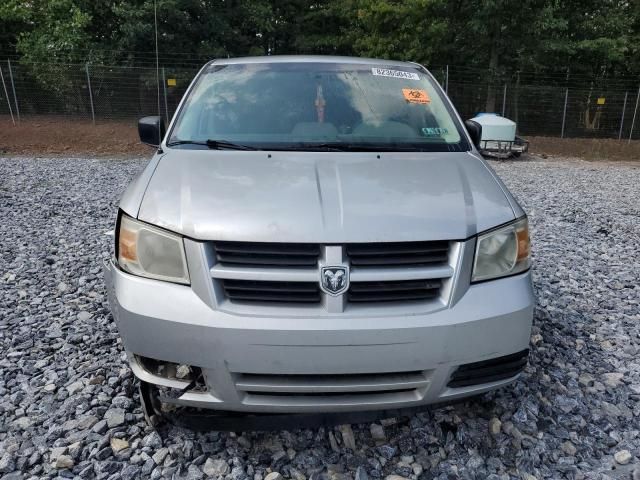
x,y
151,252
502,252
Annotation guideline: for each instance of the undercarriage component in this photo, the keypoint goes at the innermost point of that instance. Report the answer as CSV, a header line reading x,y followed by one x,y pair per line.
x,y
151,406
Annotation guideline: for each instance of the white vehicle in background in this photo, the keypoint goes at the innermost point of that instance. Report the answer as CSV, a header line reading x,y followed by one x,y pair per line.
x,y
499,137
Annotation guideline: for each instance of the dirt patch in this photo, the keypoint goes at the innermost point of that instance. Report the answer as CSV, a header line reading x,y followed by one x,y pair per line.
x,y
586,148
64,136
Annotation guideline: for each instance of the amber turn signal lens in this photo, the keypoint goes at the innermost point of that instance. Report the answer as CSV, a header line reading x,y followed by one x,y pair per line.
x,y
127,245
524,246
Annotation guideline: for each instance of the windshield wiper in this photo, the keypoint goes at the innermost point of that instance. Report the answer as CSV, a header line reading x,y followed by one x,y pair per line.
x,y
353,147
306,147
328,146
224,145
213,144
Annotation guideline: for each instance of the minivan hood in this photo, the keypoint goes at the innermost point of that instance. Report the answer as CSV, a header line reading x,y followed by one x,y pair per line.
x,y
323,197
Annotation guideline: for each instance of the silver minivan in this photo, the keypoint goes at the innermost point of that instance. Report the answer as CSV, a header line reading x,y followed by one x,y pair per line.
x,y
318,234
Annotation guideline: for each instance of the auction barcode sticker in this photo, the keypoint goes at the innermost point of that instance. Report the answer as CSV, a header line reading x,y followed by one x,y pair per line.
x,y
385,72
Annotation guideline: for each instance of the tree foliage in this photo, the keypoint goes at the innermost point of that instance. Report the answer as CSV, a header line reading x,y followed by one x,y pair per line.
x,y
599,37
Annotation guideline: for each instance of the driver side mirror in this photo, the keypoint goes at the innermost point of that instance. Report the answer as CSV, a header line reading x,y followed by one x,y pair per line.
x,y
151,130
475,132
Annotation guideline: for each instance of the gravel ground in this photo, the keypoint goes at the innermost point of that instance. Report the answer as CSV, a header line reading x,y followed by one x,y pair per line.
x,y
68,402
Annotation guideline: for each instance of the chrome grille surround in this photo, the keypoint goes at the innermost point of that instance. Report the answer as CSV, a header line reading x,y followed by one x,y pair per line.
x,y
385,278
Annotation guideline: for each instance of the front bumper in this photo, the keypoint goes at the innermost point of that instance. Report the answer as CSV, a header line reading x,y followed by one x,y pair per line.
x,y
257,363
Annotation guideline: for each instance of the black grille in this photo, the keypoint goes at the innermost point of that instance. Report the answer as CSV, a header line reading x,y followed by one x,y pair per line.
x,y
488,371
394,291
267,254
402,254
357,393
289,292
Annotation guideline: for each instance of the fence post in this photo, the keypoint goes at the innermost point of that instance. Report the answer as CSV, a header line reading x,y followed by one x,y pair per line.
x,y
93,112
13,88
7,95
564,112
504,99
624,108
516,101
446,81
164,87
635,111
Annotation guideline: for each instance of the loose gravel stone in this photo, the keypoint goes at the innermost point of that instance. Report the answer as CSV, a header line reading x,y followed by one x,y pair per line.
x,y
114,417
494,426
568,448
215,467
100,427
130,472
152,440
613,379
193,473
7,463
67,394
75,387
160,455
183,371
377,432
347,437
118,444
22,423
623,457
273,476
64,461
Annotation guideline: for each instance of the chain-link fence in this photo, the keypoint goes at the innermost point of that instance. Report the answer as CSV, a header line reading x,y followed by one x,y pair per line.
x,y
92,92
551,104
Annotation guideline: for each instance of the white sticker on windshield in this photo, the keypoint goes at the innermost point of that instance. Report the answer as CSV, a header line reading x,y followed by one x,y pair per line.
x,y
385,72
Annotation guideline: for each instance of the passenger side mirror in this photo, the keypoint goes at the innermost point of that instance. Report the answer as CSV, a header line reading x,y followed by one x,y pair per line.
x,y
475,132
151,130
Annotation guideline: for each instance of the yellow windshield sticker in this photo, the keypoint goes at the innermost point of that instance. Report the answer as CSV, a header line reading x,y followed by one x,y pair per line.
x,y
171,82
415,95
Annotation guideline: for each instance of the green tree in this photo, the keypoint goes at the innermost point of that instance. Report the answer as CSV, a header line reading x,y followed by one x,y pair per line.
x,y
592,37
403,30
53,30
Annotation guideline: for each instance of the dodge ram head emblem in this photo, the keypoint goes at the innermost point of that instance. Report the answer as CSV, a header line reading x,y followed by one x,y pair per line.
x,y
334,280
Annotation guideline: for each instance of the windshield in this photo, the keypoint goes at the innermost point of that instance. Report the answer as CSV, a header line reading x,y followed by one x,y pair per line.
x,y
316,106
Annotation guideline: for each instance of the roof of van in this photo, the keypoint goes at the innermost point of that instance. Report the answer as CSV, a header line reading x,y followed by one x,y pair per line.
x,y
311,59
